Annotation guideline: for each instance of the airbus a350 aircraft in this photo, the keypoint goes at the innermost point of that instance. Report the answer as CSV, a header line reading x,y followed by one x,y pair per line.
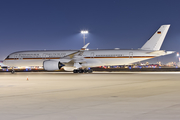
x,y
79,61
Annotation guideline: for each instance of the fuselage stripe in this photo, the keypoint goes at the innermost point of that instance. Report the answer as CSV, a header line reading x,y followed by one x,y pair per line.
x,y
84,57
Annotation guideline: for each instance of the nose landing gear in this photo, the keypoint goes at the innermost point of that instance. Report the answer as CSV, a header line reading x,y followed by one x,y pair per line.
x,y
13,71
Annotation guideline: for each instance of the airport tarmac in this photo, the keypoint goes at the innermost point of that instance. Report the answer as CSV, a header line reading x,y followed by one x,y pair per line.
x,y
97,96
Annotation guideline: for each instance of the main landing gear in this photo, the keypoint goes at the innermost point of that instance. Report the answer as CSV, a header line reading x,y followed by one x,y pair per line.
x,y
82,71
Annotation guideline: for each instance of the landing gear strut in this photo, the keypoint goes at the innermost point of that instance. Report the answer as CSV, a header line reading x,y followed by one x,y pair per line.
x,y
82,71
13,71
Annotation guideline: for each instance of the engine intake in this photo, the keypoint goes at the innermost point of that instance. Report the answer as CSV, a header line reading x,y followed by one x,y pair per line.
x,y
51,65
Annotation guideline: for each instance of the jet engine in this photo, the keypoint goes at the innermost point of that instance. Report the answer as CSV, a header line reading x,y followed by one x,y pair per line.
x,y
69,68
51,65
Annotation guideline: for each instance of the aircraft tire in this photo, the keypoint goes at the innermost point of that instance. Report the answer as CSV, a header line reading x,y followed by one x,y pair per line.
x,y
12,72
90,71
85,70
75,71
81,71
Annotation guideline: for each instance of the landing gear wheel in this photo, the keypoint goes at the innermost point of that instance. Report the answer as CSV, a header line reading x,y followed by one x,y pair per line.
x,y
85,70
81,71
12,71
90,71
75,71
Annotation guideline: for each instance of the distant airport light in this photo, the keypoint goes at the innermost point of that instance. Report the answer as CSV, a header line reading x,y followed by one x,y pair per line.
x,y
177,54
84,32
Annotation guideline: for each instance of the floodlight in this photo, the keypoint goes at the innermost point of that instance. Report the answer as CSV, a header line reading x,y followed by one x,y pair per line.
x,y
84,31
177,54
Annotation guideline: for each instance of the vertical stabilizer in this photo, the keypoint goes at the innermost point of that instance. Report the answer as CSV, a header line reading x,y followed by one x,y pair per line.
x,y
155,42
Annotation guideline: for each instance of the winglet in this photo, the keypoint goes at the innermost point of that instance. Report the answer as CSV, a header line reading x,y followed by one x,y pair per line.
x,y
85,46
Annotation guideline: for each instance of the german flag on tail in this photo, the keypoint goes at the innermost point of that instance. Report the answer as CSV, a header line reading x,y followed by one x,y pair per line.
x,y
159,32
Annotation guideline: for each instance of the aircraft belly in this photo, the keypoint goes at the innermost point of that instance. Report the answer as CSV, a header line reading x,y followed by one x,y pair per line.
x,y
20,63
120,61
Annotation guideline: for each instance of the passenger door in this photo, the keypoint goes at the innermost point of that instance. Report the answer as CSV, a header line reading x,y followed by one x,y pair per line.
x,y
45,56
130,54
92,55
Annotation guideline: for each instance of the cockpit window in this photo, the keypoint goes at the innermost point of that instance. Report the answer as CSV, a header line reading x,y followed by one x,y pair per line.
x,y
7,57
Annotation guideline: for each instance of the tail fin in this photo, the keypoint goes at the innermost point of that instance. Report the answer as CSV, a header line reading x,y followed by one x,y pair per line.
x,y
155,42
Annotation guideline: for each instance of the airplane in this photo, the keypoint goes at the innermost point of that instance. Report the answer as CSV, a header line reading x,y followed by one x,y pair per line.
x,y
79,61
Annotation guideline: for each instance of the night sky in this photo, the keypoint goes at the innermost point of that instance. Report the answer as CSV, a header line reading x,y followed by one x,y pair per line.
x,y
56,24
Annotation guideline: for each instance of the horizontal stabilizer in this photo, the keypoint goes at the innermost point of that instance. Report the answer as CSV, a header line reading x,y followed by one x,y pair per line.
x,y
170,52
159,52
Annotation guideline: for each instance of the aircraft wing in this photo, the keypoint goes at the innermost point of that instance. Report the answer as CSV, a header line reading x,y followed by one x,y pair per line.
x,y
75,58
78,53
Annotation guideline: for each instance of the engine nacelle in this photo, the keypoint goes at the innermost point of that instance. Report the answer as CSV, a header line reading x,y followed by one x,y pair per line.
x,y
51,65
69,68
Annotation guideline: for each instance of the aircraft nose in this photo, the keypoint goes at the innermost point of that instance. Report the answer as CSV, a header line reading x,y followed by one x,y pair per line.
x,y
2,63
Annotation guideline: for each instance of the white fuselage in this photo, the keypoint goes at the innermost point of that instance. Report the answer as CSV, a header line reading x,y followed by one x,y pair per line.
x,y
99,57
